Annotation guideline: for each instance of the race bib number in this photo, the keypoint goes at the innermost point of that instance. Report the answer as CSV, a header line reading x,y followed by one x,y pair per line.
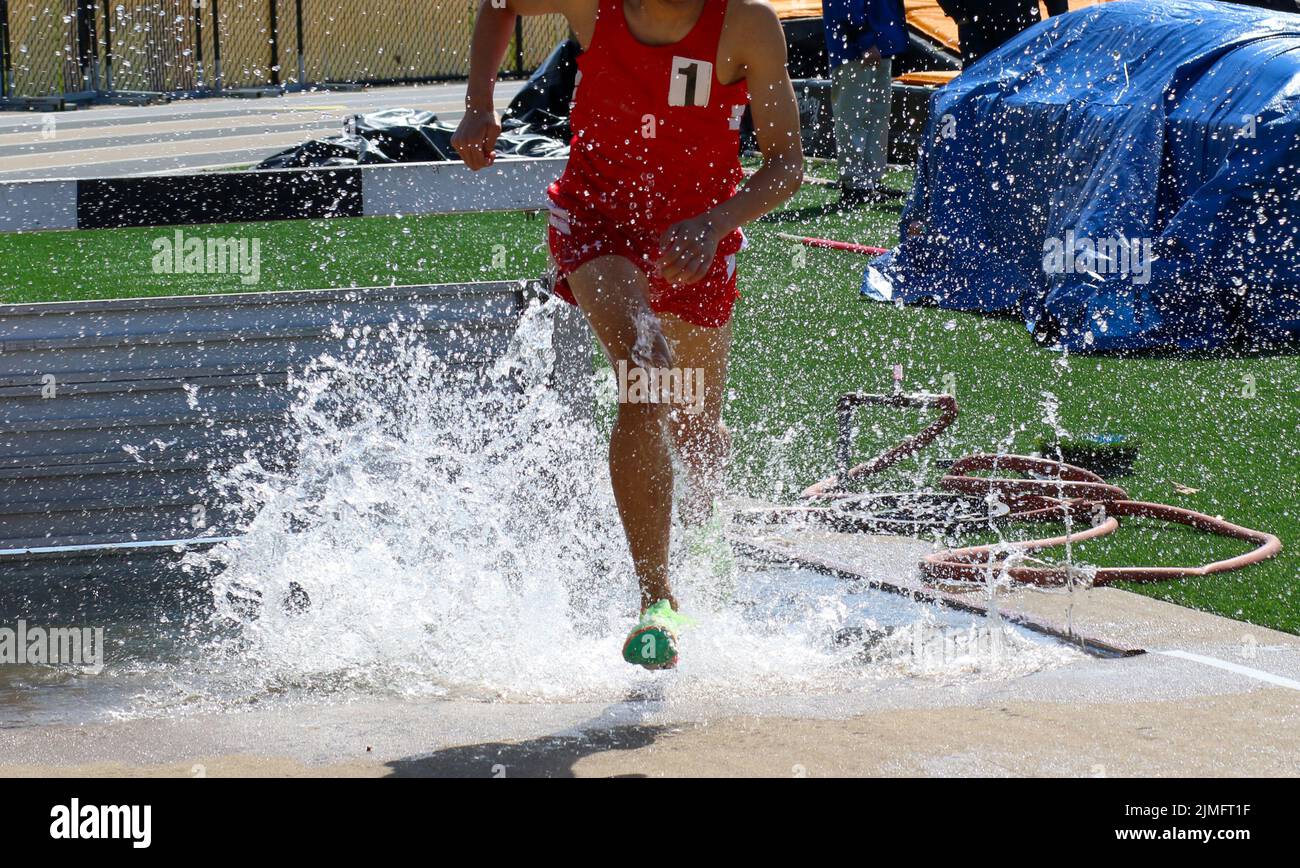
x,y
690,82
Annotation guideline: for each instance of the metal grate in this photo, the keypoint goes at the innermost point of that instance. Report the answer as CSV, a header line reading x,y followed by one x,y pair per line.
x,y
55,48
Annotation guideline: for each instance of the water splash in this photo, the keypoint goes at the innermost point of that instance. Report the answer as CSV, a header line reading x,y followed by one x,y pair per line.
x,y
453,533
442,531
1075,576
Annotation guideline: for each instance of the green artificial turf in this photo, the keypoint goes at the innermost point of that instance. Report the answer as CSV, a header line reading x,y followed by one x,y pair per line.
x,y
1227,427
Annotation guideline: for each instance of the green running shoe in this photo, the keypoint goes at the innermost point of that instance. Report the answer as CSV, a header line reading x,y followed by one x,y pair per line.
x,y
653,642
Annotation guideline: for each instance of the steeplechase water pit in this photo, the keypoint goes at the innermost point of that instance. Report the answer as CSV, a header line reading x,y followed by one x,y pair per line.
x,y
399,567
394,569
416,527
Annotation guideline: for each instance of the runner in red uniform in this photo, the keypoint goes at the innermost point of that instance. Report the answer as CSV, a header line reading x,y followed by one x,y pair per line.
x,y
656,140
645,228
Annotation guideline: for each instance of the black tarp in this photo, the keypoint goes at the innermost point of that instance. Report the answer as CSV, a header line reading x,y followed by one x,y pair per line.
x,y
543,104
535,124
403,135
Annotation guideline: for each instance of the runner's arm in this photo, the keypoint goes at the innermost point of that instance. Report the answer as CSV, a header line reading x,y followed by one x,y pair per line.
x,y
689,246
776,123
476,135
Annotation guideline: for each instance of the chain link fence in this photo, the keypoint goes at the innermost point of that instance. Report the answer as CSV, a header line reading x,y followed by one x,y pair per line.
x,y
39,48
71,48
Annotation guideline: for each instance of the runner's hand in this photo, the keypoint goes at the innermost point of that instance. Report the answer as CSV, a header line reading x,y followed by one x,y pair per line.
x,y
475,138
687,250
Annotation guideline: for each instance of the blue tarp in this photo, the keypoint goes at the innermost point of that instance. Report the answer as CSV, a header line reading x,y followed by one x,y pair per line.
x,y
1123,177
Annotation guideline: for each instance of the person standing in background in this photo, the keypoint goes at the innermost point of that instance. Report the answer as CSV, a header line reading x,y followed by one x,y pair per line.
x,y
983,25
862,37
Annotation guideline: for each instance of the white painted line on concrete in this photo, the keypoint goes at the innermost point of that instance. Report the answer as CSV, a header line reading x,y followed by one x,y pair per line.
x,y
165,148
1257,674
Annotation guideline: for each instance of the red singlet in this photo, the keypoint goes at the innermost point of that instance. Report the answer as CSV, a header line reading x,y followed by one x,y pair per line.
x,y
656,140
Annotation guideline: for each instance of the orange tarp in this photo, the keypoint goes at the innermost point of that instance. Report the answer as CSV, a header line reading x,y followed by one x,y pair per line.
x,y
927,17
930,78
798,8
924,15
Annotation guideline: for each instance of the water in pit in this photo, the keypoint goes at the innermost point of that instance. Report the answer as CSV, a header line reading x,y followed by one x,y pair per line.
x,y
435,540
785,631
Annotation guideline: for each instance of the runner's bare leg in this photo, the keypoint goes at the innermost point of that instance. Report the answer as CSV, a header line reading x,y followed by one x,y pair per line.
x,y
613,293
702,441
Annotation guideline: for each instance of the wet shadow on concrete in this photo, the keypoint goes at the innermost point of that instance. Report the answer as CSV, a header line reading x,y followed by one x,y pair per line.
x,y
551,756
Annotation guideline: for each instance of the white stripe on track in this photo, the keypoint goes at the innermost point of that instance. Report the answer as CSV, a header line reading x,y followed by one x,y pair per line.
x,y
1257,674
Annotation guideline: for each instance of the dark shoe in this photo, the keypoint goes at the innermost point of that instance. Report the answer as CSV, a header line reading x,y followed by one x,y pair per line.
x,y
856,197
862,197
